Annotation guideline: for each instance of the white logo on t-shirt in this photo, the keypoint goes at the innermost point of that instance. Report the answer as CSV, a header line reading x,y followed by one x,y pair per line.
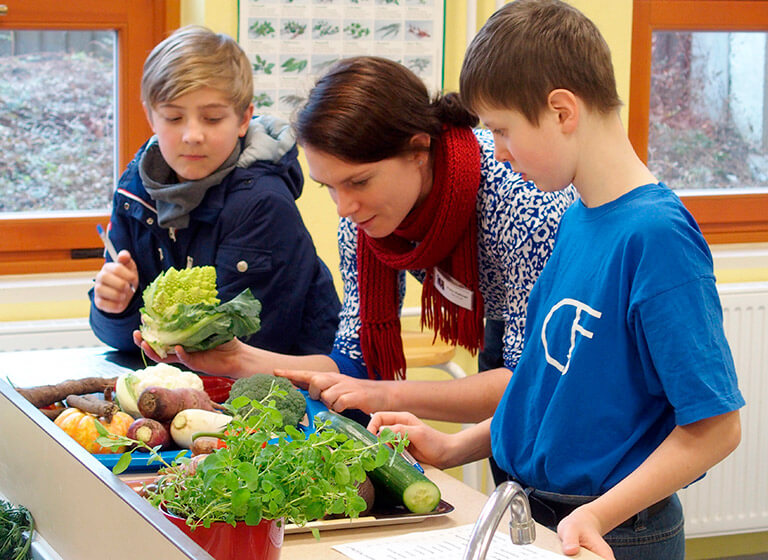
x,y
575,328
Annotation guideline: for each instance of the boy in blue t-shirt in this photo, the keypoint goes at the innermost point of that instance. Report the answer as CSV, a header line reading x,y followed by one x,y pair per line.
x,y
626,390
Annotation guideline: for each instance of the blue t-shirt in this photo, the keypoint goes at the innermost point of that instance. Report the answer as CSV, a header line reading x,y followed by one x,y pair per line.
x,y
624,340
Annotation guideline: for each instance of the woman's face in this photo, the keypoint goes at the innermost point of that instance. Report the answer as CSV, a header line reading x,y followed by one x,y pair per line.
x,y
376,196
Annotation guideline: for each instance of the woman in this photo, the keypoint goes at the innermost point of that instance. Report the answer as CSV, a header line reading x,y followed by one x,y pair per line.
x,y
417,189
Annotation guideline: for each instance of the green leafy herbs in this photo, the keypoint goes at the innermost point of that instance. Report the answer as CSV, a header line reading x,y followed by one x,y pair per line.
x,y
181,307
265,470
16,526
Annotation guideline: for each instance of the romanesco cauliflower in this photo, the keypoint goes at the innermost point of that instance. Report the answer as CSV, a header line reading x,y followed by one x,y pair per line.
x,y
181,307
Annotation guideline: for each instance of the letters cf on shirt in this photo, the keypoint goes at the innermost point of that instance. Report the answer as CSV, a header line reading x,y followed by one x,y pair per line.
x,y
576,329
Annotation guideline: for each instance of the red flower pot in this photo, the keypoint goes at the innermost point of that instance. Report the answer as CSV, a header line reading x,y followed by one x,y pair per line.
x,y
225,542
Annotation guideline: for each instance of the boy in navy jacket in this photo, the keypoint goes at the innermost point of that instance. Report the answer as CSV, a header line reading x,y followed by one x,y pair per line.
x,y
214,186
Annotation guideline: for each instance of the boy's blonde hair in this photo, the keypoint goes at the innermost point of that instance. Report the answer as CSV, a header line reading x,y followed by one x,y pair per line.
x,y
194,57
528,48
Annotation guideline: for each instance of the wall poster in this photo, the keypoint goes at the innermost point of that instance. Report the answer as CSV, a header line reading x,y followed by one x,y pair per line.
x,y
292,42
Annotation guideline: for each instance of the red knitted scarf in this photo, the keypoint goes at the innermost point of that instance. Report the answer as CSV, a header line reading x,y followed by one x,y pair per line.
x,y
441,232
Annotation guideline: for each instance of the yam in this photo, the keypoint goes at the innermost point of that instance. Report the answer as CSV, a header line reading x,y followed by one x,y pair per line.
x,y
163,404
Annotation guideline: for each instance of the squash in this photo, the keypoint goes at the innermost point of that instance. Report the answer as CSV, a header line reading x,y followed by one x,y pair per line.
x,y
81,426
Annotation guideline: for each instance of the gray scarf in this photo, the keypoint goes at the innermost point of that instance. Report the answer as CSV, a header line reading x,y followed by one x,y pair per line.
x,y
176,200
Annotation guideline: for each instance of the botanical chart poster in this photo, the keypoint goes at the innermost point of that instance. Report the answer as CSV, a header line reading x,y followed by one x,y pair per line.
x,y
291,43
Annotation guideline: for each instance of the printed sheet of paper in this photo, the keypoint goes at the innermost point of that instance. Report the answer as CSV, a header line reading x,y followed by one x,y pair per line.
x,y
293,42
445,544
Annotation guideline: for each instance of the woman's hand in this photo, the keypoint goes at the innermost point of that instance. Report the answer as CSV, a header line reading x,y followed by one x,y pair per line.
x,y
426,444
583,529
224,359
116,284
340,392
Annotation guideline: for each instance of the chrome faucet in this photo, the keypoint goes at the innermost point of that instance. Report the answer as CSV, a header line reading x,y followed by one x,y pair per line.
x,y
522,528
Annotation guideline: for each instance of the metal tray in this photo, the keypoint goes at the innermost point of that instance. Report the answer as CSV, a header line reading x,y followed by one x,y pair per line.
x,y
377,516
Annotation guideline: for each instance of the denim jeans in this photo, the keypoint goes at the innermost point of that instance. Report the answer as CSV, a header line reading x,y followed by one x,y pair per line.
x,y
659,537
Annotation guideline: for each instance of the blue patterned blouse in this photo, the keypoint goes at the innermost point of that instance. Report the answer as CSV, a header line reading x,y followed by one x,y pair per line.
x,y
517,224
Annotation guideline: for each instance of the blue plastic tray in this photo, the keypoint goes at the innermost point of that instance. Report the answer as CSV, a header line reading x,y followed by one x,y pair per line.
x,y
140,461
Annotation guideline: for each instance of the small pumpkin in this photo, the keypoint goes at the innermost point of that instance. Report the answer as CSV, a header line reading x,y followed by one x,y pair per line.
x,y
81,426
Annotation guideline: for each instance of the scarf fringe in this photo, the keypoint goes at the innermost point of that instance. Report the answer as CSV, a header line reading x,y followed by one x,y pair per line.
x,y
382,348
454,325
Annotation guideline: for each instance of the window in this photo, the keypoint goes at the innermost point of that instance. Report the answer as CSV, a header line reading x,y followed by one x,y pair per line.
x,y
699,109
111,40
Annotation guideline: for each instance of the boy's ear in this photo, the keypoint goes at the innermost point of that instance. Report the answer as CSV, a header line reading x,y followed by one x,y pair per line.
x,y
148,114
245,121
565,105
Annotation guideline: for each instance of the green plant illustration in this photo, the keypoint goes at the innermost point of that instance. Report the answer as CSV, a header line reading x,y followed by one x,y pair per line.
x,y
419,64
391,30
294,65
292,100
261,29
321,67
294,28
356,30
263,100
262,65
323,28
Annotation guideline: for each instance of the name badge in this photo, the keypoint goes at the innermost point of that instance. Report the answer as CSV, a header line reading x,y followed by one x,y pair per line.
x,y
453,290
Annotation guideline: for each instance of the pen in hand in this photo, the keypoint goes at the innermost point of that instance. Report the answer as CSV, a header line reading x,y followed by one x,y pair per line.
x,y
107,243
411,459
109,247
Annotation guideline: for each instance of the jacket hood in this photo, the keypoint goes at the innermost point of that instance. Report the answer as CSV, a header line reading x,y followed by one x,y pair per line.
x,y
270,144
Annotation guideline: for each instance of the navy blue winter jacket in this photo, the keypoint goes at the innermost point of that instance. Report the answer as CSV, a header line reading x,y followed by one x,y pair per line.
x,y
250,229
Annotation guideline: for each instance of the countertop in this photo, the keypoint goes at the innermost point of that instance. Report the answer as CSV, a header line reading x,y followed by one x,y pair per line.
x,y
42,367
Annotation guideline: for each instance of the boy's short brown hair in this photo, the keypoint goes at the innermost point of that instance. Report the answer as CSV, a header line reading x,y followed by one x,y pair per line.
x,y
528,48
193,57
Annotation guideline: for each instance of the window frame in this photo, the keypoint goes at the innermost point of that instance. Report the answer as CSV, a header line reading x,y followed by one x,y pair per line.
x,y
54,241
723,218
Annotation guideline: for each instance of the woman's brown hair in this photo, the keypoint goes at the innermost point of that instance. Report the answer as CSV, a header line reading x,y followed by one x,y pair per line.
x,y
367,109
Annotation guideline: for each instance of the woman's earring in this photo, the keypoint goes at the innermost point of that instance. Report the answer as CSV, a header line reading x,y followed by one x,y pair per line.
x,y
421,162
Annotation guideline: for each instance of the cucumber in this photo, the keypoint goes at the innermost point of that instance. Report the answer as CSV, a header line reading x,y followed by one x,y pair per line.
x,y
400,480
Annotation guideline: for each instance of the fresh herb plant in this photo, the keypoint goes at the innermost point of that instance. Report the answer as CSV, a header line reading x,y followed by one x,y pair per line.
x,y
16,526
264,470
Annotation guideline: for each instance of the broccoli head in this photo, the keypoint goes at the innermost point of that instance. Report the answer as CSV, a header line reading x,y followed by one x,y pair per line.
x,y
182,307
256,387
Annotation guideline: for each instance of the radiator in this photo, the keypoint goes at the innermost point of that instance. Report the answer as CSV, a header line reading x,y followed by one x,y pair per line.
x,y
733,497
46,334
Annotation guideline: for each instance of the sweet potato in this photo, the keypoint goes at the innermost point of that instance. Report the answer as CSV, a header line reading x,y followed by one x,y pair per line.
x,y
45,395
163,404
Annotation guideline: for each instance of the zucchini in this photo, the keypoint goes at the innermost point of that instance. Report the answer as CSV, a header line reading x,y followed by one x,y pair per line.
x,y
400,480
